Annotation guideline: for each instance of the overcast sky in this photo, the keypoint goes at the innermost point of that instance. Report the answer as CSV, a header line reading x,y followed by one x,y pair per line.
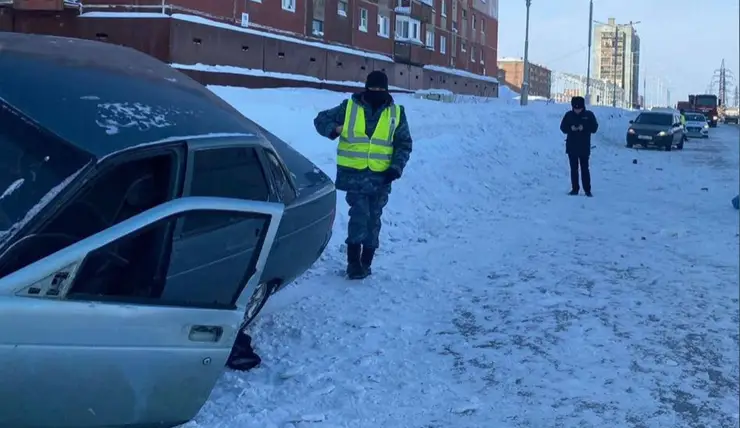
x,y
683,41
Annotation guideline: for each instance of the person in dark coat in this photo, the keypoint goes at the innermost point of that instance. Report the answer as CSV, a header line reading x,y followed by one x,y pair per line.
x,y
374,147
578,124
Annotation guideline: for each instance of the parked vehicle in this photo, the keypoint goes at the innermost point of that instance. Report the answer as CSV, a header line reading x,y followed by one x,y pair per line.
x,y
656,129
684,105
141,216
732,114
707,104
696,126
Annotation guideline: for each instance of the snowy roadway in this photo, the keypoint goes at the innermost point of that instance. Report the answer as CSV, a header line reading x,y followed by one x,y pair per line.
x,y
498,301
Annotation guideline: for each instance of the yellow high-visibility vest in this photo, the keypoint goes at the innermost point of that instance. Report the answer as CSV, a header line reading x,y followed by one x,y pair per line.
x,y
358,151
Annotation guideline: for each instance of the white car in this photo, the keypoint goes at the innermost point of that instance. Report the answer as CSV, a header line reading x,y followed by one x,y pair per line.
x,y
696,125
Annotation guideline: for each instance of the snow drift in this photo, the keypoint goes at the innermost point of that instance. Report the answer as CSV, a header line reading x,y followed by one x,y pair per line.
x,y
497,301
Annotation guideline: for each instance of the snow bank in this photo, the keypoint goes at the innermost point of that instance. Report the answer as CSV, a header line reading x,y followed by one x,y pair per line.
x,y
497,300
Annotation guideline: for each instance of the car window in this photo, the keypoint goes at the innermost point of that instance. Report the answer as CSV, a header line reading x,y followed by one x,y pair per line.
x,y
138,268
654,119
284,188
34,166
113,194
232,172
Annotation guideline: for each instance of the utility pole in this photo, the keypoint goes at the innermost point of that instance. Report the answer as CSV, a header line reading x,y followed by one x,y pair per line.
x,y
737,96
722,83
590,37
721,80
524,97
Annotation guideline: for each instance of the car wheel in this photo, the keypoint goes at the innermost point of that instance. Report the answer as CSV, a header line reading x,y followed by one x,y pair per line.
x,y
257,302
629,145
668,147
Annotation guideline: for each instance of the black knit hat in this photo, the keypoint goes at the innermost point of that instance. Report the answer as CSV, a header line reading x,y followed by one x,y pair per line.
x,y
578,102
376,79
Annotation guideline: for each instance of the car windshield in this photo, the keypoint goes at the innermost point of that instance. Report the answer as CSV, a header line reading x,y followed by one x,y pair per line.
x,y
705,101
654,119
34,167
695,117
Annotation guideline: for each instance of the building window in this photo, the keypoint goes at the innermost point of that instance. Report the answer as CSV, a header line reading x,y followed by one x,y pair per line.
x,y
464,14
462,47
442,45
363,20
384,26
454,10
342,8
289,5
472,53
317,27
454,27
472,22
408,29
430,40
443,12
483,28
481,56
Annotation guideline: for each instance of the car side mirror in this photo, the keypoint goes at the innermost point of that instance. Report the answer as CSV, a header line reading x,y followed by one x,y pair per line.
x,y
631,122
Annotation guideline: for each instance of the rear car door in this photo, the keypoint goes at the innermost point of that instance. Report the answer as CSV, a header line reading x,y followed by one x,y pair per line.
x,y
102,334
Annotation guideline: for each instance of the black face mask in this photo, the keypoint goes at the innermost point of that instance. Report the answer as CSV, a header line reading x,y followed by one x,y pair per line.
x,y
376,98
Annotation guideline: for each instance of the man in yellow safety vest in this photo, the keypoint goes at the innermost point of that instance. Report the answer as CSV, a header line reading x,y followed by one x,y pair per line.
x,y
374,146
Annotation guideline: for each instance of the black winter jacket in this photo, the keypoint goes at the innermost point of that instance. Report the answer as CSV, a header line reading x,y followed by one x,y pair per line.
x,y
579,142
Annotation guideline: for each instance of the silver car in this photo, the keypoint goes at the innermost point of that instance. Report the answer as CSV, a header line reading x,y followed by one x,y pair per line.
x,y
696,125
141,217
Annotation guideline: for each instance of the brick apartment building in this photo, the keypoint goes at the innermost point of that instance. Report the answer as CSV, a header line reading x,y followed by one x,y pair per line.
x,y
433,40
462,34
540,77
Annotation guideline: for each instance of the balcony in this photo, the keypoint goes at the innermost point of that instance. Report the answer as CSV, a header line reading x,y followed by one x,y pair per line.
x,y
421,10
411,52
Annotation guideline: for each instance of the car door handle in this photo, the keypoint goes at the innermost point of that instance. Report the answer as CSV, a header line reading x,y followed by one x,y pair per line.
x,y
206,333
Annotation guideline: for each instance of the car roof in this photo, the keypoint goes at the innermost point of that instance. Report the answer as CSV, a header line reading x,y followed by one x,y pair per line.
x,y
105,98
658,112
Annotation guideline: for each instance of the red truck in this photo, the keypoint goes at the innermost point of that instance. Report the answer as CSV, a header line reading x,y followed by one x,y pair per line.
x,y
684,105
707,104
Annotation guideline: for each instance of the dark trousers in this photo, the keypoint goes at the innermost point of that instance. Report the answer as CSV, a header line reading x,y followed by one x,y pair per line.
x,y
581,160
365,211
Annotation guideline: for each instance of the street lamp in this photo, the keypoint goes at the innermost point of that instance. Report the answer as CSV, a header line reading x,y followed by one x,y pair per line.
x,y
524,97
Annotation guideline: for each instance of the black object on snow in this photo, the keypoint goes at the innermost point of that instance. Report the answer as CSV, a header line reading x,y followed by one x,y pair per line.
x,y
242,355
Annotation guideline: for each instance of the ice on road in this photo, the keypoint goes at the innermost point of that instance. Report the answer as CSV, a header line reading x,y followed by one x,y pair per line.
x,y
497,300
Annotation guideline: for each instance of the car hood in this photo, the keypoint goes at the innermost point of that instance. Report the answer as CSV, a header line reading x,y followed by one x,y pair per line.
x,y
639,127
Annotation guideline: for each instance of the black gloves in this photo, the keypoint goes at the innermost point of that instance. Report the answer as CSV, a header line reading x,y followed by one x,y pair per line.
x,y
391,175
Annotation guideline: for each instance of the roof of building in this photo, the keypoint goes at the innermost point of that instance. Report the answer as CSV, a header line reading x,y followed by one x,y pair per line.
x,y
104,98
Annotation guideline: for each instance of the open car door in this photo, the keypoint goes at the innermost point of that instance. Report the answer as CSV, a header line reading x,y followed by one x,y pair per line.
x,y
90,336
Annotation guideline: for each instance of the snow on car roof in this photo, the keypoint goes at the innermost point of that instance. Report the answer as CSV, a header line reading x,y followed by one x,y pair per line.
x,y
105,98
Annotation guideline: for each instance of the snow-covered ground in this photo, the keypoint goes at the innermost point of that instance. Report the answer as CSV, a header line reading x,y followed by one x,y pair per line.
x,y
497,300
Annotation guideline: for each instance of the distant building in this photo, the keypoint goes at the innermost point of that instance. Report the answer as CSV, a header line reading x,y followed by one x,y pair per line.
x,y
540,77
567,85
620,64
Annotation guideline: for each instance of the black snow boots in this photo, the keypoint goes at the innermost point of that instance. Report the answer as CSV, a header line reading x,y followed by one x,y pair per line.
x,y
359,261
